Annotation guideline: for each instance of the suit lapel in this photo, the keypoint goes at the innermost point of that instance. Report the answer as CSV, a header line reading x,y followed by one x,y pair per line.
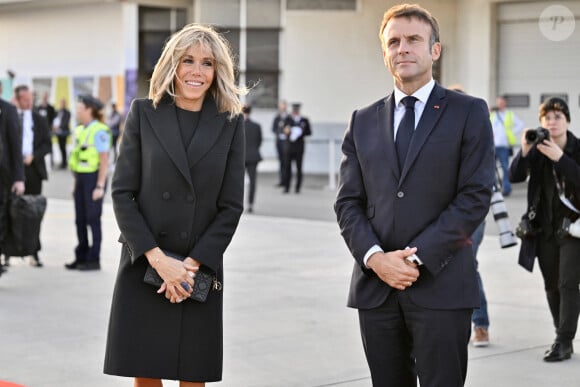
x,y
208,130
434,108
163,120
386,135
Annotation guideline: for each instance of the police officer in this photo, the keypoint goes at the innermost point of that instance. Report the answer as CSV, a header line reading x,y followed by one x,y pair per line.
x,y
296,127
89,162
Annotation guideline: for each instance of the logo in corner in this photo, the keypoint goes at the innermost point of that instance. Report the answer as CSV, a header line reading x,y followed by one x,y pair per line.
x,y
557,23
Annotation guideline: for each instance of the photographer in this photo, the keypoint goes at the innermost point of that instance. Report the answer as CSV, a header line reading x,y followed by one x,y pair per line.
x,y
552,161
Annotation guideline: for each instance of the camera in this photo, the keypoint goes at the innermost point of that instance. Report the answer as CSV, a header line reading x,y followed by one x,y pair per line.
x,y
500,215
526,229
534,136
569,228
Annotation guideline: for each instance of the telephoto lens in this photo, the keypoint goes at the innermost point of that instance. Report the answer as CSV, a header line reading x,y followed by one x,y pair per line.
x,y
500,215
534,136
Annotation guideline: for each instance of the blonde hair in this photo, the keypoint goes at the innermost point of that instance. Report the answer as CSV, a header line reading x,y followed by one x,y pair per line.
x,y
223,89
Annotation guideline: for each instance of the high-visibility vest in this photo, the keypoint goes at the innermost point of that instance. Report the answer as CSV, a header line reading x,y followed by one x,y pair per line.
x,y
85,157
508,125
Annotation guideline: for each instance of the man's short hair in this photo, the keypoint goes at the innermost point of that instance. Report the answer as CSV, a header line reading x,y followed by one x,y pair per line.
x,y
409,11
20,88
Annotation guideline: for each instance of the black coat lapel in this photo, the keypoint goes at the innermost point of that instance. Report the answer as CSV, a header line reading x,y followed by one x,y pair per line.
x,y
208,130
163,120
434,108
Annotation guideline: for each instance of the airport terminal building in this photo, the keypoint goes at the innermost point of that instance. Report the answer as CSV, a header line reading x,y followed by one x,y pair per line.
x,y
323,53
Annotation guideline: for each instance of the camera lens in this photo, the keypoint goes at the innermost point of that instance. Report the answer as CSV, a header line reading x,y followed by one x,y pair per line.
x,y
534,136
531,136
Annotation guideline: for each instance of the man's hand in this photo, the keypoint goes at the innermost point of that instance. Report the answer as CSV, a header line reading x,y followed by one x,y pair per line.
x,y
18,187
393,269
28,159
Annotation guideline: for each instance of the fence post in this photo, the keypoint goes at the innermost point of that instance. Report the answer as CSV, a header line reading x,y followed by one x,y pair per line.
x,y
331,168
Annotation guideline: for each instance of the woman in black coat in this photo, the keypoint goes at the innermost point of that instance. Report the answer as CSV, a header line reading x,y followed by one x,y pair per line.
x,y
553,166
178,188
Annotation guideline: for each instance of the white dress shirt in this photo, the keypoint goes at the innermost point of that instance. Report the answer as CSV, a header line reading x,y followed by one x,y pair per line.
x,y
27,133
422,96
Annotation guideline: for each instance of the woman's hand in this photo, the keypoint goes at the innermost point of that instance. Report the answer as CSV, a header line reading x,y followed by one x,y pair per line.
x,y
550,149
177,276
191,266
525,146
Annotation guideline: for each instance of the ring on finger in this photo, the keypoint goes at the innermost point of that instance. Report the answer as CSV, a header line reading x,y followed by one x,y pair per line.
x,y
185,286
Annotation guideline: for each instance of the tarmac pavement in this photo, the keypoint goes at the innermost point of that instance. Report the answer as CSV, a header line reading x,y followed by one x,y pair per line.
x,y
285,319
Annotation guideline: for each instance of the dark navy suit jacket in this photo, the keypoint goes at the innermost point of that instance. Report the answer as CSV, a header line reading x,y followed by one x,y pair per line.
x,y
434,203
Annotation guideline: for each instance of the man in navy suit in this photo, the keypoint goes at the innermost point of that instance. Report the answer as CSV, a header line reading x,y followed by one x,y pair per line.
x,y
36,144
415,182
253,132
11,164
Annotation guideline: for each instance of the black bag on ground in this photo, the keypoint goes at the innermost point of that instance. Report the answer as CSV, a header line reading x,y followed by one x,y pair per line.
x,y
25,216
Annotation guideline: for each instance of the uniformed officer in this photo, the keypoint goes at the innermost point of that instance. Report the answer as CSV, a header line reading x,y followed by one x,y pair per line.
x,y
89,162
296,127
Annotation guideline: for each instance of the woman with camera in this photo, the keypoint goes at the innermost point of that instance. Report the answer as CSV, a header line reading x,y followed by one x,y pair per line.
x,y
551,159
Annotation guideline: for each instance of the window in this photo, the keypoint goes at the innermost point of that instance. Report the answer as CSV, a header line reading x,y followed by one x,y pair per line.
x,y
262,67
545,96
155,27
517,100
325,5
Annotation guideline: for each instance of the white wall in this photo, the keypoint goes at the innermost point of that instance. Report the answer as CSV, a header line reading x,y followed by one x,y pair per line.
x,y
80,40
474,48
333,61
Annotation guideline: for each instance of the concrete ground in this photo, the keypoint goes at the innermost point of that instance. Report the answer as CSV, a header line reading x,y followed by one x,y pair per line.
x,y
286,323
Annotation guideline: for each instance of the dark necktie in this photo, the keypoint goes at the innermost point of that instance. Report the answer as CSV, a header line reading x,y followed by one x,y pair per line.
x,y
406,129
21,118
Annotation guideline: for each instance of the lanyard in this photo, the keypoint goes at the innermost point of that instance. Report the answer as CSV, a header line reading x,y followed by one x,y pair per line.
x,y
561,188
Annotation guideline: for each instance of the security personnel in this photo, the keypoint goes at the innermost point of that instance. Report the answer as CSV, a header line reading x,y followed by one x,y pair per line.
x,y
296,127
506,131
89,162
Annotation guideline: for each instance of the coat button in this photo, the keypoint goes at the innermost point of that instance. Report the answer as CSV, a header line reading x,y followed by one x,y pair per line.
x,y
400,194
166,195
189,198
183,235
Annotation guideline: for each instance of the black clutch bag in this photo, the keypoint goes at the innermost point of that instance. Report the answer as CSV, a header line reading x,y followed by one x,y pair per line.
x,y
202,282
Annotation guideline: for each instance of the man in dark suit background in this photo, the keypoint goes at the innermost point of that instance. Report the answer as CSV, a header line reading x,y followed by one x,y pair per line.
x,y
35,140
277,129
11,165
253,157
61,128
296,127
35,145
415,182
46,110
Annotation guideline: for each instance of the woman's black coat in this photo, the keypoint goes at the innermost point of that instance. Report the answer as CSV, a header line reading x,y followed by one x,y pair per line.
x,y
188,202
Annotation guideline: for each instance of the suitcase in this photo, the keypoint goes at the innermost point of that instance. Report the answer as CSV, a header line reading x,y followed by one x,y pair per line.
x,y
25,216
